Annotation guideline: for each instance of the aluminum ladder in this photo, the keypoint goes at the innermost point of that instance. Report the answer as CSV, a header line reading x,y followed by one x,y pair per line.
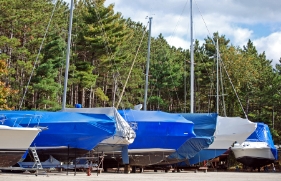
x,y
37,162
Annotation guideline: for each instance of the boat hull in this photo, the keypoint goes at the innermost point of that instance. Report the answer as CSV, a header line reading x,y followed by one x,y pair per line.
x,y
253,154
10,157
258,149
14,141
138,157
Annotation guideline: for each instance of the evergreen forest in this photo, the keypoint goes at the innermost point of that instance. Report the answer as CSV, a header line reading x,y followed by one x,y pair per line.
x,y
108,65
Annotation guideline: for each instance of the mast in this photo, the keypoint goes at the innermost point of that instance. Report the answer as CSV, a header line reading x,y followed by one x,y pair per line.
x,y
217,75
67,55
147,66
191,62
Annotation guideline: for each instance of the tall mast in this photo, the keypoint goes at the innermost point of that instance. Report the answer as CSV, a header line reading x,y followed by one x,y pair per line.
x,y
217,74
67,55
147,66
191,62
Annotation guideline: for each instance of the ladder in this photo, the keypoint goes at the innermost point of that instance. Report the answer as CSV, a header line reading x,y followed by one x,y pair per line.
x,y
37,162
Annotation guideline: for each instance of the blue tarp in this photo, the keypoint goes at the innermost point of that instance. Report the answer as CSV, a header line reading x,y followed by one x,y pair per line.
x,y
191,148
157,129
76,130
204,128
262,134
204,123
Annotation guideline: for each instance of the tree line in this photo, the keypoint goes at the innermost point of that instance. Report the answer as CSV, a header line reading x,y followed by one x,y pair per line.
x,y
103,48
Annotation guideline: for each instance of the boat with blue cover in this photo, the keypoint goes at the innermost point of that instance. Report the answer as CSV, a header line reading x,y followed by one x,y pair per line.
x,y
68,134
204,128
124,134
158,135
258,149
223,131
228,131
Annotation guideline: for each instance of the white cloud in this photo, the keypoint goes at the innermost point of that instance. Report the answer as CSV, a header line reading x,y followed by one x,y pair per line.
x,y
271,45
241,36
178,42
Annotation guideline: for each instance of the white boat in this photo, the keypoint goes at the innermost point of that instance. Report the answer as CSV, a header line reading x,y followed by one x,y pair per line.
x,y
258,150
14,142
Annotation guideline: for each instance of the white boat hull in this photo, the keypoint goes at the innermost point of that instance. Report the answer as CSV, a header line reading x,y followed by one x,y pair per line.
x,y
253,154
14,141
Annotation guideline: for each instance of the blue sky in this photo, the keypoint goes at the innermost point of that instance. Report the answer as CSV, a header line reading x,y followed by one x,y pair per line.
x,y
238,20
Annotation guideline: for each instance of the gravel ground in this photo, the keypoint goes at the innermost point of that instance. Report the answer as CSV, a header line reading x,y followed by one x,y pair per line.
x,y
149,176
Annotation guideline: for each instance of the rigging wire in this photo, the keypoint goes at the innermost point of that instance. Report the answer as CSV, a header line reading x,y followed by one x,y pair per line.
x,y
36,60
203,19
177,24
222,63
123,90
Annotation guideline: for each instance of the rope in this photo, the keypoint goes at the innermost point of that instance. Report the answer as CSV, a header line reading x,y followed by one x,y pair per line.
x,y
25,91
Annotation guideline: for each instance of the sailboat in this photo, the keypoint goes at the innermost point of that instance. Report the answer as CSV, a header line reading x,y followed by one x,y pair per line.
x,y
158,135
227,130
14,141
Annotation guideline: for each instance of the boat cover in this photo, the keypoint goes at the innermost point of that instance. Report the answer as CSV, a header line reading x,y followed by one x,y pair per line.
x,y
262,134
124,133
204,128
157,129
76,130
228,130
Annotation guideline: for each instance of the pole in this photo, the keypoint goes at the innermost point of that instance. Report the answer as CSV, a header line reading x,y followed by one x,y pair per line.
x,y
147,66
184,86
191,62
67,160
67,55
217,75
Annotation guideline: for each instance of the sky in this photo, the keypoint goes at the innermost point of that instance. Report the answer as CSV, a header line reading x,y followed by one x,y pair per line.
x,y
238,20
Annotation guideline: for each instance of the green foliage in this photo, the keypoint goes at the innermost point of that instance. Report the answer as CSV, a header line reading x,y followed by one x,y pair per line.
x,y
103,47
